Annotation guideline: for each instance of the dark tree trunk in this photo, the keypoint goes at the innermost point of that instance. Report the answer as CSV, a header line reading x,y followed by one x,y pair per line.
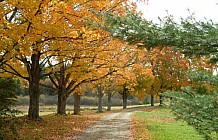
x,y
152,100
109,101
77,104
34,77
62,92
62,101
124,100
33,112
100,95
161,100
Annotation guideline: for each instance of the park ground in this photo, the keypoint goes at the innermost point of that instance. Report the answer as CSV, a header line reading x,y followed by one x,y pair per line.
x,y
146,123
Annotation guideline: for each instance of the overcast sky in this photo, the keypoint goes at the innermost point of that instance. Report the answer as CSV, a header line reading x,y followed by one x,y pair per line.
x,y
179,8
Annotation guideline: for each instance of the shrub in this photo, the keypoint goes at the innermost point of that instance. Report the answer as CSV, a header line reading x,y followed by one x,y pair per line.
x,y
8,88
198,106
199,110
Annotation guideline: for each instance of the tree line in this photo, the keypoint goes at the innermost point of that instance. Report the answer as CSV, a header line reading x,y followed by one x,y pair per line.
x,y
103,46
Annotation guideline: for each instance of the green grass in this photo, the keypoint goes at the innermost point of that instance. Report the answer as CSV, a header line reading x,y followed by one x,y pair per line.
x,y
161,125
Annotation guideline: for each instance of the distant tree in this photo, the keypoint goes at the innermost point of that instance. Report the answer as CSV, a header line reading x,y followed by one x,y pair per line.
x,y
170,70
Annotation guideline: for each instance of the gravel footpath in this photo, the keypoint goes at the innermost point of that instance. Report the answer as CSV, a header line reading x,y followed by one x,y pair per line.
x,y
115,126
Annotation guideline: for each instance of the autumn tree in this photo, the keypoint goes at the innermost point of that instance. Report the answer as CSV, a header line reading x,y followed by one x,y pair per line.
x,y
87,64
110,90
28,35
104,87
170,68
32,33
69,81
92,56
35,35
138,86
131,75
134,76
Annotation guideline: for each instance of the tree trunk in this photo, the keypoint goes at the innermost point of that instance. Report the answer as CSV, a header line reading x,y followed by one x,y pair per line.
x,y
100,95
109,101
161,100
62,101
152,100
33,112
62,92
77,104
124,100
34,77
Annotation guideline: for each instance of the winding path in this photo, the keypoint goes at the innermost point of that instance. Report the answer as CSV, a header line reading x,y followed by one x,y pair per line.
x,y
115,126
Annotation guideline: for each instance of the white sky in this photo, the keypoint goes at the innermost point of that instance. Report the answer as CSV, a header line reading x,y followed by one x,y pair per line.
x,y
178,8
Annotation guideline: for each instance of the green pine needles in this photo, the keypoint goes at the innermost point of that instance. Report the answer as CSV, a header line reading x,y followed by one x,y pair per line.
x,y
198,105
8,91
188,35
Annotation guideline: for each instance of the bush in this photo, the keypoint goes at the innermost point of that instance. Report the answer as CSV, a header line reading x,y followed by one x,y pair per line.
x,y
199,110
8,89
198,106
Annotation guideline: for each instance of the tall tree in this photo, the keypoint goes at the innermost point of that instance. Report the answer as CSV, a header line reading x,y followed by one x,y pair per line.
x,y
30,36
33,32
93,56
27,38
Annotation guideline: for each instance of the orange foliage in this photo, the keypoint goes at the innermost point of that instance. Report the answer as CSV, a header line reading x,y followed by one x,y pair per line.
x,y
53,38
49,29
170,70
132,72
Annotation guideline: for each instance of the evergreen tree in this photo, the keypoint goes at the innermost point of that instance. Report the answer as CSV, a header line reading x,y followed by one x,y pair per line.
x,y
189,35
8,89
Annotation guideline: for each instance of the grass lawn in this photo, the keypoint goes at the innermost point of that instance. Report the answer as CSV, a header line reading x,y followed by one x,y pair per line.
x,y
158,123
